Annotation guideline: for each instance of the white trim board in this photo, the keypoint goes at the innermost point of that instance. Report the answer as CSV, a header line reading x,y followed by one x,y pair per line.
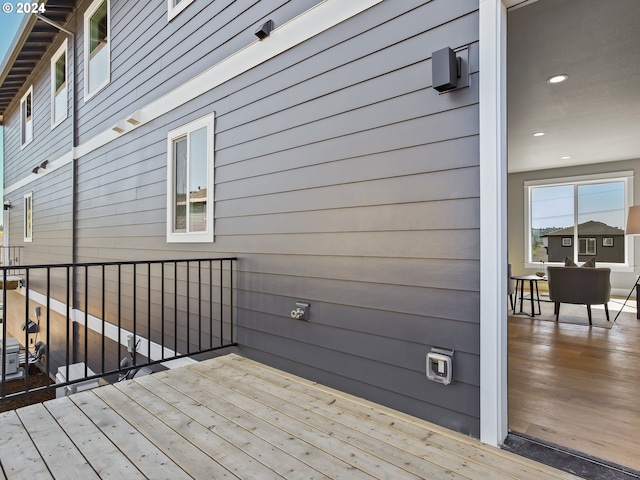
x,y
52,166
493,221
95,324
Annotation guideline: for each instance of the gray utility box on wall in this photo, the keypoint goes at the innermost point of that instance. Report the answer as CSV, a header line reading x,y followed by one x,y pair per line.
x,y
440,366
9,362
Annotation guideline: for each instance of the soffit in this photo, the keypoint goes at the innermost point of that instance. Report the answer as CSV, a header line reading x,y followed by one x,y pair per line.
x,y
33,39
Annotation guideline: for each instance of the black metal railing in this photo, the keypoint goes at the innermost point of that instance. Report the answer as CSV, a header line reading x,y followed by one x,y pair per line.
x,y
113,318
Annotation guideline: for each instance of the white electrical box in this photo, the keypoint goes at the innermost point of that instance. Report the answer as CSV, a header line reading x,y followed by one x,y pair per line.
x,y
440,366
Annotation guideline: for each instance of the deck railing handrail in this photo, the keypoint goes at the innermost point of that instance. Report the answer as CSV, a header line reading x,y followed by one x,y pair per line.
x,y
167,305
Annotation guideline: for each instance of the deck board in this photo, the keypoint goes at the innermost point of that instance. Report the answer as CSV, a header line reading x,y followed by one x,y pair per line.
x,y
231,417
62,457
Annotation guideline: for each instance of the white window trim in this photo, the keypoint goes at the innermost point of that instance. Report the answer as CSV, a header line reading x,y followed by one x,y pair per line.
x,y
623,176
173,11
191,237
54,60
28,196
23,100
87,15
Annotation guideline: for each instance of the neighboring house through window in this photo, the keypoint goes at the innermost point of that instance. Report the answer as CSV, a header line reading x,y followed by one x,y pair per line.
x,y
28,217
174,7
26,118
190,180
59,95
568,217
97,54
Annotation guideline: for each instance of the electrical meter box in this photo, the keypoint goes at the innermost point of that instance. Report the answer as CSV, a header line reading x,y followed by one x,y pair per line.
x,y
9,358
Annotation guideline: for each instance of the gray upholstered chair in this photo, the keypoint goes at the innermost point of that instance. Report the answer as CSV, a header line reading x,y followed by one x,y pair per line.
x,y
579,285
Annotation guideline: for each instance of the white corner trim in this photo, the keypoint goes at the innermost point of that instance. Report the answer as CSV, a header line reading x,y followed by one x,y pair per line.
x,y
493,228
52,166
314,21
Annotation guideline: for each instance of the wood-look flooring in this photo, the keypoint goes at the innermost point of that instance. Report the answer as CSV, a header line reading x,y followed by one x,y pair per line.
x,y
234,418
577,386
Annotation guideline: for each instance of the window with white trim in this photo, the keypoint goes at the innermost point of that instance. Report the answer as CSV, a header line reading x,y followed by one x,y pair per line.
x,y
174,7
26,118
28,217
59,90
190,177
97,48
568,217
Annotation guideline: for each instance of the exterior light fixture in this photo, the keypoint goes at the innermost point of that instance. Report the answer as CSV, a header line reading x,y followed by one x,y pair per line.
x,y
265,30
119,127
557,78
44,164
7,204
538,134
35,169
135,118
445,70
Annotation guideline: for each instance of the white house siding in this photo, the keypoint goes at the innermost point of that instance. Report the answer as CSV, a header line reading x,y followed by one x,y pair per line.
x,y
342,179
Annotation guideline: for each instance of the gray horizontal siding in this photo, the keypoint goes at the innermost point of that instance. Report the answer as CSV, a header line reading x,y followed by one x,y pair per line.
x,y
342,179
48,144
52,218
151,56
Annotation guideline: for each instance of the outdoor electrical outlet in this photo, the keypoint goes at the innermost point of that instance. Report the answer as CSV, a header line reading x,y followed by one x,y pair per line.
x,y
440,366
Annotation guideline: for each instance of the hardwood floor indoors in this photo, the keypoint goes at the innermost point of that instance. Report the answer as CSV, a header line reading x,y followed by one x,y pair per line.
x,y
578,386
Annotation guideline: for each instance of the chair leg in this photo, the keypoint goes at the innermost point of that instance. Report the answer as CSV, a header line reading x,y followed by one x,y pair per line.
x,y
589,313
606,310
556,309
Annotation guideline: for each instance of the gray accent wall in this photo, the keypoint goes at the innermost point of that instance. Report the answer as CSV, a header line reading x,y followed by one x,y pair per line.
x,y
342,179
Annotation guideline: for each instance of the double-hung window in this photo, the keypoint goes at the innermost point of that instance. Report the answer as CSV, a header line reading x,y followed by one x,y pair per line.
x,y
97,49
190,180
28,217
571,217
59,95
26,118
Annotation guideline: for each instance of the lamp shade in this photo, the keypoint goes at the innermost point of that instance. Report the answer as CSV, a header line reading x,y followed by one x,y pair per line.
x,y
633,221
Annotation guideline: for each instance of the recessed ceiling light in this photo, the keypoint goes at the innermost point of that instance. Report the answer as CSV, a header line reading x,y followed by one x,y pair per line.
x,y
557,78
538,134
566,157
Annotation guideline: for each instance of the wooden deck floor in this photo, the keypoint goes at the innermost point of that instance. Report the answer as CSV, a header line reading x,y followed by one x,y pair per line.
x,y
234,418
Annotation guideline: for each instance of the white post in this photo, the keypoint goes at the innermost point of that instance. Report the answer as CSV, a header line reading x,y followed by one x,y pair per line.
x,y
493,223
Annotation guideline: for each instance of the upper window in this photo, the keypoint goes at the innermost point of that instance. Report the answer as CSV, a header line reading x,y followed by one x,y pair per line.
x,y
28,217
26,118
174,7
97,55
59,95
190,182
570,217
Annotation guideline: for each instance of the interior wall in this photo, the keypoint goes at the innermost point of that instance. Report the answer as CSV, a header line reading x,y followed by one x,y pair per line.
x,y
621,282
